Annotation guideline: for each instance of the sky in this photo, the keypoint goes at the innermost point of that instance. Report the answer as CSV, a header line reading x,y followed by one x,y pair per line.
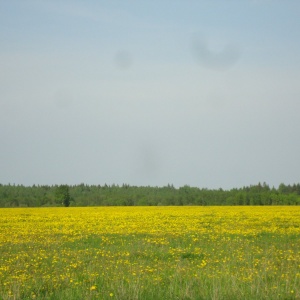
x,y
199,93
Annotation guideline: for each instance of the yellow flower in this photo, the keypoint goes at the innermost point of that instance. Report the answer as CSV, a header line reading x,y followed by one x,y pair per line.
x,y
93,288
111,294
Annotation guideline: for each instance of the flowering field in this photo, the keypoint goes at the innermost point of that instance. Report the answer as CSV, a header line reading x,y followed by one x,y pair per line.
x,y
150,253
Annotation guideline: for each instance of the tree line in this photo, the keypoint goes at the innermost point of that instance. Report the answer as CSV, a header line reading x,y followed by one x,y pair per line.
x,y
12,195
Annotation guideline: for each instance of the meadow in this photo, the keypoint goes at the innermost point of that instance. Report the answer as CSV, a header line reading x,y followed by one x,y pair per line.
x,y
188,252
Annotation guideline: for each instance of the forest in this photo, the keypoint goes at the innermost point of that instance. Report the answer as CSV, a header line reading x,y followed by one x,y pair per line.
x,y
12,195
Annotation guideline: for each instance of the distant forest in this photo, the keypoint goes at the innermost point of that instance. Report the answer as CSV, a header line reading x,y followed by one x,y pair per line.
x,y
126,195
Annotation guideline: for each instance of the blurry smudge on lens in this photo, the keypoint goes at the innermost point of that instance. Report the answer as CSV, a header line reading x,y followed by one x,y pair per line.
x,y
123,60
222,59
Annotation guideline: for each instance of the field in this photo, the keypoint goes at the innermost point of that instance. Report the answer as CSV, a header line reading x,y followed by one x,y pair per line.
x,y
150,253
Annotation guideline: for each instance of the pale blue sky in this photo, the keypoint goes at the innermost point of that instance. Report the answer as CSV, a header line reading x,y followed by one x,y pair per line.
x,y
204,93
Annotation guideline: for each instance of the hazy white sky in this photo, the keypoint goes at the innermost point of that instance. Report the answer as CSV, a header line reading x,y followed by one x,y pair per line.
x,y
204,93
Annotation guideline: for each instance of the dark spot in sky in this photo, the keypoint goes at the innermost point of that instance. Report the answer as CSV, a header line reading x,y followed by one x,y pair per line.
x,y
218,60
123,60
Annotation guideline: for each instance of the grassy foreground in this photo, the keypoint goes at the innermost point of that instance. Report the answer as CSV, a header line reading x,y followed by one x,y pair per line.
x,y
150,253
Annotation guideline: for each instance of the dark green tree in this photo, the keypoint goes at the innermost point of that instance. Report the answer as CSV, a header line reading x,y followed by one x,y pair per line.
x,y
63,195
